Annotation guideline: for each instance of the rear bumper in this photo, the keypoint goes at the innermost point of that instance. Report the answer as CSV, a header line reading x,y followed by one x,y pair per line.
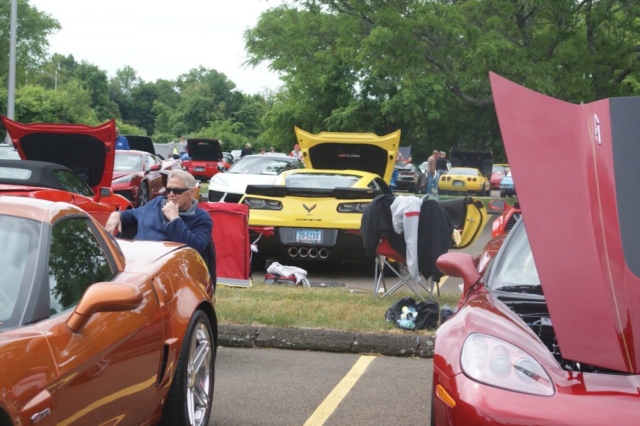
x,y
338,245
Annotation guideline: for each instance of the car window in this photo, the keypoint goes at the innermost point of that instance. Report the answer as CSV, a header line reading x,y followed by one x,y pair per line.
x,y
20,239
72,183
127,162
320,180
516,266
383,186
148,161
263,165
76,260
464,172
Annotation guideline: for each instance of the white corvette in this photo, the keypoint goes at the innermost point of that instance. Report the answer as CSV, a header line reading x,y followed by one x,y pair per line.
x,y
229,187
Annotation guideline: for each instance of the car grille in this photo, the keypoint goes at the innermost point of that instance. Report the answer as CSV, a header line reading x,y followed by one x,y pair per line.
x,y
216,196
512,221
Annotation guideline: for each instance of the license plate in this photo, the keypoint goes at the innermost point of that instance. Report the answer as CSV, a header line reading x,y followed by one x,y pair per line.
x,y
458,183
308,236
198,169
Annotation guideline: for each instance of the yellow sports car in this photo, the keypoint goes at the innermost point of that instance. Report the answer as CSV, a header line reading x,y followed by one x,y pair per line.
x,y
464,180
315,214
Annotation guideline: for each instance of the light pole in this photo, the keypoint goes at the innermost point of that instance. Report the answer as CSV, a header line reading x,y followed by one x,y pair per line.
x,y
12,61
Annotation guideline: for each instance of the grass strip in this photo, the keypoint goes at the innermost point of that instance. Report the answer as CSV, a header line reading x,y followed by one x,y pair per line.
x,y
344,309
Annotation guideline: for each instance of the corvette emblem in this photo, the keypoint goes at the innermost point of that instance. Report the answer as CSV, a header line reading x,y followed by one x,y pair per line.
x,y
309,208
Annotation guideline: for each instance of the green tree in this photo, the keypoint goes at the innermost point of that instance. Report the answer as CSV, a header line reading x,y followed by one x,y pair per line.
x,y
33,29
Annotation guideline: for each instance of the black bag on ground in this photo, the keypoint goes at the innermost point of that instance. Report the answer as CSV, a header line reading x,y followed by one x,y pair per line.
x,y
427,313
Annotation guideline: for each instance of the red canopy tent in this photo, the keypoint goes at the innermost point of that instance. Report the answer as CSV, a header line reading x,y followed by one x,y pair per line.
x,y
231,239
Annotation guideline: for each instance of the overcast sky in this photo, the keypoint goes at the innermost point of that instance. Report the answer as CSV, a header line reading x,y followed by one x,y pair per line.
x,y
161,39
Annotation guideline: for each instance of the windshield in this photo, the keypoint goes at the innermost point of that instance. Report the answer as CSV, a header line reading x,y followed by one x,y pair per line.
x,y
127,162
498,169
516,266
320,180
262,165
19,238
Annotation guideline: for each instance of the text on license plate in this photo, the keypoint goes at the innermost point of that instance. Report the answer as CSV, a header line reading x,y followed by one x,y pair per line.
x,y
458,183
198,169
308,235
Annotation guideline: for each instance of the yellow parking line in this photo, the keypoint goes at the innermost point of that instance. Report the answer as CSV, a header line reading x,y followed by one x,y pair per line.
x,y
338,393
442,280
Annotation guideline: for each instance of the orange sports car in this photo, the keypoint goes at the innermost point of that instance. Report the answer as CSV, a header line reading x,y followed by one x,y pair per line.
x,y
100,331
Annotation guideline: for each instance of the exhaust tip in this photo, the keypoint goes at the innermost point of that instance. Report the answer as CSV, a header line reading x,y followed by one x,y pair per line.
x,y
303,252
293,251
323,253
313,253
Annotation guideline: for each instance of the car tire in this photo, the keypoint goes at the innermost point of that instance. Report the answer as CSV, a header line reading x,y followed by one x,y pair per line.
x,y
143,194
199,351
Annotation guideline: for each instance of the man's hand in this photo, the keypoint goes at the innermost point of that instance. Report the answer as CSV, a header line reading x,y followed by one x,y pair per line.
x,y
114,225
170,211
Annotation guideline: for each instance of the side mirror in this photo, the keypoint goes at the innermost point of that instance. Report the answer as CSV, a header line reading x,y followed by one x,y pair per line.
x,y
498,205
155,167
103,193
461,265
104,297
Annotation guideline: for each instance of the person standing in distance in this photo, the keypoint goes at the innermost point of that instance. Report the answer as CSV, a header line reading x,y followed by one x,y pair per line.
x,y
121,141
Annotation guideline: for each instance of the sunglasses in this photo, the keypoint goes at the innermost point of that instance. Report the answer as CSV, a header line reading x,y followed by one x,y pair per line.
x,y
176,191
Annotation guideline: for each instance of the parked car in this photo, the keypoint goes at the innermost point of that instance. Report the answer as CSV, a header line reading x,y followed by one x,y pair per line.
x,y
8,152
140,177
497,173
228,159
92,328
249,170
464,180
315,214
73,163
206,158
547,330
507,187
410,178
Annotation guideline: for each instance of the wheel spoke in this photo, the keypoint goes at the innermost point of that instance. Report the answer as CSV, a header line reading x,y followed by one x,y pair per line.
x,y
202,353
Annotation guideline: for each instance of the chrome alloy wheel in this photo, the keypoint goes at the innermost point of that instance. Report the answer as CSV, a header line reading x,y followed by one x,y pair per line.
x,y
199,375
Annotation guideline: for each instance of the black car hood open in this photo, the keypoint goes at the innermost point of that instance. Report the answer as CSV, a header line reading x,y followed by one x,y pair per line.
x,y
480,159
204,149
141,143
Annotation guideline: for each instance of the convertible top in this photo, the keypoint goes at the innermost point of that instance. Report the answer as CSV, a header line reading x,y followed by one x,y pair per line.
x,y
36,173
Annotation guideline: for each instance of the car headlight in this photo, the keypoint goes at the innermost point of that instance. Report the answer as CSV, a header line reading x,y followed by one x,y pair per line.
x,y
124,179
219,182
352,207
260,204
494,362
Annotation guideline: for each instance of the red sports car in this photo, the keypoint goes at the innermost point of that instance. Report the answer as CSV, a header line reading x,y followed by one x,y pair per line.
x,y
139,174
99,331
73,163
498,171
548,328
206,158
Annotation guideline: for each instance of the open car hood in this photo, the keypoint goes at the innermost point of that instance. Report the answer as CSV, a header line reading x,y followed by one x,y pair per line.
x,y
583,158
88,151
204,149
141,143
480,159
350,151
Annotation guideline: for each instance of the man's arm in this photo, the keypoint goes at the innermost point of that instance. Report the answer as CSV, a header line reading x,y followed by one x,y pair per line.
x,y
197,237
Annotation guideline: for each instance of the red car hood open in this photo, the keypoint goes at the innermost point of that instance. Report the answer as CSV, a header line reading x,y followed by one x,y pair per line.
x,y
585,159
89,151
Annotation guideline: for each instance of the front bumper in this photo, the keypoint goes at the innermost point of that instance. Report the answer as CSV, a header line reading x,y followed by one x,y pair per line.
x,y
227,197
590,401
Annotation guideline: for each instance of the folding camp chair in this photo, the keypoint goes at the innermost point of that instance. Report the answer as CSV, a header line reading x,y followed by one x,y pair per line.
x,y
384,252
